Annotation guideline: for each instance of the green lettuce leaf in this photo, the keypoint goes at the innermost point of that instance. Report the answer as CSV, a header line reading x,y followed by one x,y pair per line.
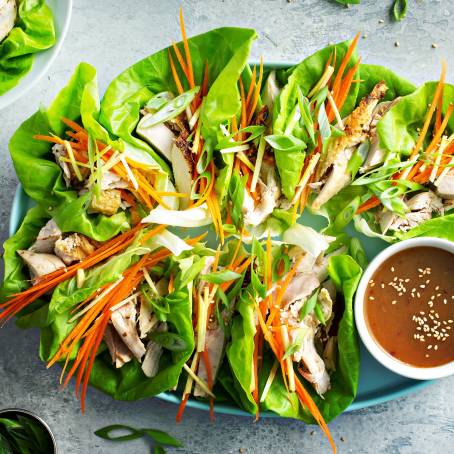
x,y
33,32
397,130
40,175
240,351
370,75
441,227
225,50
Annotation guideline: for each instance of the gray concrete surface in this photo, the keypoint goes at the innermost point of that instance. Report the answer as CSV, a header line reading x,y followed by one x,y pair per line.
x,y
112,34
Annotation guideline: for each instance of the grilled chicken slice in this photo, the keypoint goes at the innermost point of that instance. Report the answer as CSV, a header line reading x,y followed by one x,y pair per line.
x,y
108,202
297,292
73,248
150,364
59,151
315,367
422,206
159,136
40,264
147,320
47,237
8,14
214,345
255,214
376,155
338,178
110,180
271,91
339,152
315,372
356,127
183,166
119,353
124,321
445,187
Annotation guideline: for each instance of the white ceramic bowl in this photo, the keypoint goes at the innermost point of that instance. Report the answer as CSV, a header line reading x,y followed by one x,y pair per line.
x,y
61,10
419,373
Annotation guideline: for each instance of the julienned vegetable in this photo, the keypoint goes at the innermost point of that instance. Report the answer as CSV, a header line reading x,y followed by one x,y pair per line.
x,y
26,28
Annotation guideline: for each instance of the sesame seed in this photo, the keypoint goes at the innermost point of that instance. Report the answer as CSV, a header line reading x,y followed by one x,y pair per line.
x,y
434,45
392,270
394,302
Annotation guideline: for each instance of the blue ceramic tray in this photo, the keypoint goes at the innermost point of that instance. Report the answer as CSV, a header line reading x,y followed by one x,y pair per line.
x,y
376,384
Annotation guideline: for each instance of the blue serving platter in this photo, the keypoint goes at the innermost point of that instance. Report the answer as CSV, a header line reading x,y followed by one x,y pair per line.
x,y
376,384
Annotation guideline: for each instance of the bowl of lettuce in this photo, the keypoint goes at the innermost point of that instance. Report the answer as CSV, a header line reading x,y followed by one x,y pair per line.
x,y
31,35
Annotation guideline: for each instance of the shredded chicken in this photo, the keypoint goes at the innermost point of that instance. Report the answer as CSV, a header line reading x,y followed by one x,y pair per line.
x,y
119,352
124,321
47,237
304,331
335,160
269,193
8,13
445,187
214,345
74,247
422,206
150,364
376,155
147,320
40,264
110,180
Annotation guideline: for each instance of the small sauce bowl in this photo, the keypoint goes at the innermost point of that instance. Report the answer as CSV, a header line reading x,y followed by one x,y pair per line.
x,y
11,412
372,345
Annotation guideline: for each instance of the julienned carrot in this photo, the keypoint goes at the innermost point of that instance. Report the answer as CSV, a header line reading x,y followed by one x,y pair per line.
x,y
243,107
345,85
251,86
187,51
181,408
175,75
431,111
306,399
73,125
373,202
182,63
343,65
258,87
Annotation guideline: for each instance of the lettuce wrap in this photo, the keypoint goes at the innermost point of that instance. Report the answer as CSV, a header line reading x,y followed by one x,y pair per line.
x,y
53,314
411,194
32,31
315,268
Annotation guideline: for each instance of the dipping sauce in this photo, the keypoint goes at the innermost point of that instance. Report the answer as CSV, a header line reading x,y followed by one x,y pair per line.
x,y
409,307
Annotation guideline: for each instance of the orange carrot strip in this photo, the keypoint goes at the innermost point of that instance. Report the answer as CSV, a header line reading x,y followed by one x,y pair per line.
x,y
186,51
251,86
430,113
256,93
181,408
184,68
373,202
176,78
73,125
344,63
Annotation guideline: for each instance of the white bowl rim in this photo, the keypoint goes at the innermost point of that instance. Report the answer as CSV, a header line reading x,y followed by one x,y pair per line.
x,y
391,363
21,88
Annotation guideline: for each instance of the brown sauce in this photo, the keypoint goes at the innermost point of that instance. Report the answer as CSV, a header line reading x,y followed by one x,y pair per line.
x,y
409,306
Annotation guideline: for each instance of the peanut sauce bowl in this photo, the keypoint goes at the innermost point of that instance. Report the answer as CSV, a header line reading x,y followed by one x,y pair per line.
x,y
429,344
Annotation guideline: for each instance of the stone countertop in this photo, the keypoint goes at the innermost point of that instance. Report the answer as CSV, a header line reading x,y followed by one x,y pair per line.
x,y
112,34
